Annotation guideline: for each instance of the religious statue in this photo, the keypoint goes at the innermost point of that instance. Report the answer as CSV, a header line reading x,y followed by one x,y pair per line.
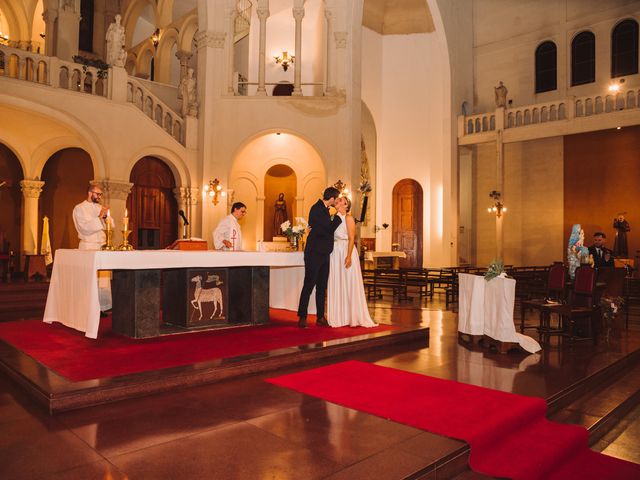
x,y
189,94
620,245
577,253
501,95
115,44
280,215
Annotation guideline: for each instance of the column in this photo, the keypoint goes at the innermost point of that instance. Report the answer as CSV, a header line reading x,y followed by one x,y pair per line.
x,y
330,88
49,16
115,197
263,14
260,221
340,61
230,62
499,188
298,15
67,32
184,58
31,190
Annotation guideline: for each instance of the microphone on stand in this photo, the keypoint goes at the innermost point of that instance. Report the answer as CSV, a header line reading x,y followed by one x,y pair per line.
x,y
185,222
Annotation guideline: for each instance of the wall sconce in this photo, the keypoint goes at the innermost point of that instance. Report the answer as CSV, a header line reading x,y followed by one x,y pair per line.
x,y
342,188
285,60
497,207
214,190
4,39
155,38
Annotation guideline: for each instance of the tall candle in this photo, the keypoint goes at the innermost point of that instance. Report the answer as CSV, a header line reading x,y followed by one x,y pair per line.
x,y
125,220
108,222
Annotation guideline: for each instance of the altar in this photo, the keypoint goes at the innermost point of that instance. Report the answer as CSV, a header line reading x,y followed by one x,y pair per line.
x,y
184,288
371,258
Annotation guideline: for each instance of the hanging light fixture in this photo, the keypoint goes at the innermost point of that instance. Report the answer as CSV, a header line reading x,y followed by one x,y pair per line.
x,y
498,208
285,60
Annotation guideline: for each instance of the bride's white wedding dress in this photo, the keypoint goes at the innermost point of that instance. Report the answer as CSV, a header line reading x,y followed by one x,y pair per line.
x,y
346,302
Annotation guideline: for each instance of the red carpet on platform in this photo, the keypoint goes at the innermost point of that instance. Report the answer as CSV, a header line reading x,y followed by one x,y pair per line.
x,y
76,357
510,436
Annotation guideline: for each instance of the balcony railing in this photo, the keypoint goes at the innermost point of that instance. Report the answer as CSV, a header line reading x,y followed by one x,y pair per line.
x,y
155,109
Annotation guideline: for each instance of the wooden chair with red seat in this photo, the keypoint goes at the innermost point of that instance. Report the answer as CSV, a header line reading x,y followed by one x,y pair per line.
x,y
556,284
582,307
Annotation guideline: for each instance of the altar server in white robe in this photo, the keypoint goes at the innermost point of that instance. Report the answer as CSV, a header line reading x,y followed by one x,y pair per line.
x,y
227,235
89,217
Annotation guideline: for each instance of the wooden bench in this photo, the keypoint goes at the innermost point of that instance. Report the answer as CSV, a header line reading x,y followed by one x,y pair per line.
x,y
378,279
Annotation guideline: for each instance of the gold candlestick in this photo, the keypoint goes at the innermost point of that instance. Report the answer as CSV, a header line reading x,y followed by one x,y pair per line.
x,y
108,231
125,240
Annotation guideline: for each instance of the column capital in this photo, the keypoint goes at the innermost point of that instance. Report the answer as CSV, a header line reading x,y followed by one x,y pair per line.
x,y
329,14
210,39
31,188
183,56
187,195
263,13
298,13
113,189
49,15
341,39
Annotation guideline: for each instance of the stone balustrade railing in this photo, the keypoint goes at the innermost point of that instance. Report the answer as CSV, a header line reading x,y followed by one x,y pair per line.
x,y
33,67
155,109
544,113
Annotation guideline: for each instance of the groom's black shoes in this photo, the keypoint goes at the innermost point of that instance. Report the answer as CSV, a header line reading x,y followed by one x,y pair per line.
x,y
302,322
322,322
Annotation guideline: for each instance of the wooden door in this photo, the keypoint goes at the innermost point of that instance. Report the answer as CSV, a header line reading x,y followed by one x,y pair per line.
x,y
153,209
407,221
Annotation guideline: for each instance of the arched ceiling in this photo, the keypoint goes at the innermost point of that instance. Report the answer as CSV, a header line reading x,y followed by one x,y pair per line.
x,y
397,17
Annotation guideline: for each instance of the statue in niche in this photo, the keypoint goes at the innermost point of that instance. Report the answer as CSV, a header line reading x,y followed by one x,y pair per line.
x,y
577,253
280,215
189,94
115,44
501,95
620,245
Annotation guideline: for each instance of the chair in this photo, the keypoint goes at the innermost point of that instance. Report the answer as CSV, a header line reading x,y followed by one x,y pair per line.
x,y
556,284
583,306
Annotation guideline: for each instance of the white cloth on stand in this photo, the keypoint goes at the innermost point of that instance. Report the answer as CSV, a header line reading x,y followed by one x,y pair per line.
x,y
486,308
228,229
346,301
285,284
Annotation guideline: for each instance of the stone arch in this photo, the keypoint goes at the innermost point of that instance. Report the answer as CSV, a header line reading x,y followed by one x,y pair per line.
x,y
248,170
163,55
19,25
187,28
131,15
143,59
172,159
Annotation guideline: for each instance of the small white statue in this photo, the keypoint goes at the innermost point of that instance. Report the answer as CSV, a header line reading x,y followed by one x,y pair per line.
x,y
501,95
115,44
189,94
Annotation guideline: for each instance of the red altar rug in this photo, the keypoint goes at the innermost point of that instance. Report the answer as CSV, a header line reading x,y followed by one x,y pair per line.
x,y
76,357
509,434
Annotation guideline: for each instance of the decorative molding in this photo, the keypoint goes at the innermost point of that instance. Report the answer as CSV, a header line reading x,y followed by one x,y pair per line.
x,y
187,195
316,106
115,190
298,13
210,39
183,56
49,15
31,188
341,39
263,13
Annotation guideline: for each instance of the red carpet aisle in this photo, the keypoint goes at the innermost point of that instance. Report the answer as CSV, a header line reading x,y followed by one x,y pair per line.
x,y
509,434
72,355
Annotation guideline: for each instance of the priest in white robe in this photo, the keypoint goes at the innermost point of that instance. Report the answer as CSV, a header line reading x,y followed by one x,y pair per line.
x,y
227,235
89,217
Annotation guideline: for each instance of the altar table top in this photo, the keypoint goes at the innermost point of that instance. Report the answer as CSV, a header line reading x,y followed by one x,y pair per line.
x,y
73,292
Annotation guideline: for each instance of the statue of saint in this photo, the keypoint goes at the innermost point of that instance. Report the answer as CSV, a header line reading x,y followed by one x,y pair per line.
x,y
280,215
501,95
620,245
115,43
577,253
189,94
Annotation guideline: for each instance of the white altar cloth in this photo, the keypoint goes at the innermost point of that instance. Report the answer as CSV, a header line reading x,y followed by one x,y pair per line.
x,y
486,308
73,292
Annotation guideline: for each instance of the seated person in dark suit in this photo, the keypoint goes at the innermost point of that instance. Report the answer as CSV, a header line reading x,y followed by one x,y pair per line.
x,y
602,256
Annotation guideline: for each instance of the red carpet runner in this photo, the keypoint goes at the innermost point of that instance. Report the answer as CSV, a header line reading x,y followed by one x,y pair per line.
x,y
72,355
509,434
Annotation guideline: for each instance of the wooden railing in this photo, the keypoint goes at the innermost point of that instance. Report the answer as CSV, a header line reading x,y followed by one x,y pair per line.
x,y
155,109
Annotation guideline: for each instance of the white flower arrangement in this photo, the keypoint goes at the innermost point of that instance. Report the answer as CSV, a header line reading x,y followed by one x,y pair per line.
x,y
296,230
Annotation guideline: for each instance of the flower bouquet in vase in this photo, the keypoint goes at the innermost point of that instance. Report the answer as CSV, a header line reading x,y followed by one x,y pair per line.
x,y
294,232
609,306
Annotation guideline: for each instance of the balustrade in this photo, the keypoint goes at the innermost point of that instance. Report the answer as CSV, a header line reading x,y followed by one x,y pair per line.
x,y
155,109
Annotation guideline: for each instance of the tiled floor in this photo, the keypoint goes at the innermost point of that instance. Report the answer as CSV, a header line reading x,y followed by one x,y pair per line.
x,y
249,429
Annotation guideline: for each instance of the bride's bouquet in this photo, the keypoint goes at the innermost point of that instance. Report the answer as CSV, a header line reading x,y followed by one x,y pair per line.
x,y
296,230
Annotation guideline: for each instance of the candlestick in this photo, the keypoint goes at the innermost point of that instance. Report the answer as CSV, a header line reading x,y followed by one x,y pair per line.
x,y
108,231
125,240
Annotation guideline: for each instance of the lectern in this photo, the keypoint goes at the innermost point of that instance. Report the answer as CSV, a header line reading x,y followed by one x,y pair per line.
x,y
188,244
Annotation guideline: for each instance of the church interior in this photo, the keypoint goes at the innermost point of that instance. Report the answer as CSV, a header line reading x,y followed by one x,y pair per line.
x,y
469,135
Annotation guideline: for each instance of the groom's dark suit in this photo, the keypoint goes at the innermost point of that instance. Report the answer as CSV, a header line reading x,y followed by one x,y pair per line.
x,y
599,257
316,258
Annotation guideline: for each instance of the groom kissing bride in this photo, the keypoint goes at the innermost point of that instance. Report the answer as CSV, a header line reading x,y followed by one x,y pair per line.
x,y
330,259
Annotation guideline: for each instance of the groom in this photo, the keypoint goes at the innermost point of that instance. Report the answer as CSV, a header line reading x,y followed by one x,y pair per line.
x,y
316,256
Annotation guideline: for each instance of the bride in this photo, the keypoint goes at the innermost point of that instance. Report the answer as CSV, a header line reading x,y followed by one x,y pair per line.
x,y
347,305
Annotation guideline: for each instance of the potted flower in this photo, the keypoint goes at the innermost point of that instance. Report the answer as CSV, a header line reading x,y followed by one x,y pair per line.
x,y
609,307
294,232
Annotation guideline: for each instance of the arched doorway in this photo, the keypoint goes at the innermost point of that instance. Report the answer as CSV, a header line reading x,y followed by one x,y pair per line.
x,y
66,176
278,179
11,200
407,221
153,209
